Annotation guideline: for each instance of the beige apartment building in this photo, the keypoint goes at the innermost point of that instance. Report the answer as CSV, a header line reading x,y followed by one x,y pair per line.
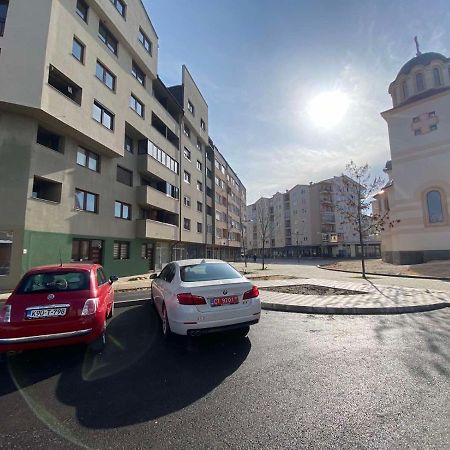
x,y
306,220
99,160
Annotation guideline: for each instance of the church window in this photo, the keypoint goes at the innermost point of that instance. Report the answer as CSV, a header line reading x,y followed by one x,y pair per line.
x,y
420,82
437,76
435,210
405,90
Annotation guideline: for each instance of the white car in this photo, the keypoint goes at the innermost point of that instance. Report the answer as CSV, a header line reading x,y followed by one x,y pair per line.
x,y
195,297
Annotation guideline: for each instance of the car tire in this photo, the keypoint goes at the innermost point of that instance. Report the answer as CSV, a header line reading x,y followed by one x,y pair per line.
x,y
98,345
165,326
241,332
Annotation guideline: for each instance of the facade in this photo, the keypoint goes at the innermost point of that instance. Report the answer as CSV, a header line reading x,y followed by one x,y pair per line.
x,y
306,221
418,191
93,146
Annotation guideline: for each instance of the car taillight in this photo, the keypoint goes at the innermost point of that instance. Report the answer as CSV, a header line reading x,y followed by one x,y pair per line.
x,y
5,314
252,293
189,299
90,307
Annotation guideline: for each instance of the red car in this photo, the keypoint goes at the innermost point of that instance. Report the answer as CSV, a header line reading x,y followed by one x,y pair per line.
x,y
58,305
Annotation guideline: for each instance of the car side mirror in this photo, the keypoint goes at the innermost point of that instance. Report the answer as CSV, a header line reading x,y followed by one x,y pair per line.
x,y
153,276
113,278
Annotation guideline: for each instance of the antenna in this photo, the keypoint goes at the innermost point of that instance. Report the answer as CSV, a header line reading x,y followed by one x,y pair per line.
x,y
60,258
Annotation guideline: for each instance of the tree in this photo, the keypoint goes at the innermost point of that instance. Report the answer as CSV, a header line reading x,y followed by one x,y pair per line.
x,y
264,224
355,205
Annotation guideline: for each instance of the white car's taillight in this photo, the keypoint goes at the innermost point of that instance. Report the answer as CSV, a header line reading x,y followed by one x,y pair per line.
x,y
5,314
90,307
252,293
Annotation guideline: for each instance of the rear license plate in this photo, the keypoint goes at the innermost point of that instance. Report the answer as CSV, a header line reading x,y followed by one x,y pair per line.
x,y
219,301
46,313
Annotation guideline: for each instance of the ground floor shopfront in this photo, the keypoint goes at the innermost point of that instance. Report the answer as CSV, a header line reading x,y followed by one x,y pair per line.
x,y
21,250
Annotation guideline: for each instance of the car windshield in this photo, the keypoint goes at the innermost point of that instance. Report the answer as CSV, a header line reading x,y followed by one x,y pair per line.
x,y
208,272
44,282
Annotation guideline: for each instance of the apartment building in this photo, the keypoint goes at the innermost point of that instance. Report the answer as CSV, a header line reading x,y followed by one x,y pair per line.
x,y
306,220
229,208
100,160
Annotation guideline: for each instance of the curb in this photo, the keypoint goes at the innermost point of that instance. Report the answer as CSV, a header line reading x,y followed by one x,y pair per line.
x,y
125,303
385,274
352,311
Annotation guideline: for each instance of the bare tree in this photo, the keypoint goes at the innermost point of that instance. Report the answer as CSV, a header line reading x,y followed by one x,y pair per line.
x,y
355,206
264,224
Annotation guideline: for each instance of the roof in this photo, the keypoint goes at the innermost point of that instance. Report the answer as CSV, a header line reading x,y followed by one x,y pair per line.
x,y
422,59
63,267
190,262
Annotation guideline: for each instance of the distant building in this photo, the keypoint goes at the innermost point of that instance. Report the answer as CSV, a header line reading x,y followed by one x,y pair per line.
x,y
307,221
418,191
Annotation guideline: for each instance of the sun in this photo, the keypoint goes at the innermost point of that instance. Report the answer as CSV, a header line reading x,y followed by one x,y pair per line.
x,y
328,108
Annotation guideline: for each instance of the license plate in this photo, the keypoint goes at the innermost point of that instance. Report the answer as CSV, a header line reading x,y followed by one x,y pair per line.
x,y
219,301
46,313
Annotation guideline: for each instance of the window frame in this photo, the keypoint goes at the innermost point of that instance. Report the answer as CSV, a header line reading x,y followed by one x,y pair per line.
x,y
108,39
187,201
120,257
88,155
145,39
426,210
83,208
188,178
123,5
130,140
121,215
129,172
187,154
137,73
186,221
77,11
135,101
105,71
103,111
83,49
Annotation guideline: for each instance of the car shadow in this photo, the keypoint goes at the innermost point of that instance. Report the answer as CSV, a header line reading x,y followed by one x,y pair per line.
x,y
138,377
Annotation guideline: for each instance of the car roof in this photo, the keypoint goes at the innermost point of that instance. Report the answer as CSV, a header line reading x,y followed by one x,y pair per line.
x,y
191,262
63,267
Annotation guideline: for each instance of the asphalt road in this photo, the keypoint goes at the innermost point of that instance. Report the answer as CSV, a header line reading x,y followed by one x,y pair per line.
x,y
299,381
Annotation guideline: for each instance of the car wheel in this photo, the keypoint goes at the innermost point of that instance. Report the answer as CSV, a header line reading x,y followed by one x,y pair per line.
x,y
241,332
165,323
99,343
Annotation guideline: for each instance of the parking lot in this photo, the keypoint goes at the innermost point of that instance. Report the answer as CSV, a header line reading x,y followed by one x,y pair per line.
x,y
298,380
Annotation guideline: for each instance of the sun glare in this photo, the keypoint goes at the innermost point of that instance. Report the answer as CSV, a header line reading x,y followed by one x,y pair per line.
x,y
328,109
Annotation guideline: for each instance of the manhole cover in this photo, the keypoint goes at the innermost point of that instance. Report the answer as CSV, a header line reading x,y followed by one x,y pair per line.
x,y
311,289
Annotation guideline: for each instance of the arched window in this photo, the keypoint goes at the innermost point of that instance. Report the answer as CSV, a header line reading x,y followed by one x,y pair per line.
x,y
420,82
437,76
405,90
435,208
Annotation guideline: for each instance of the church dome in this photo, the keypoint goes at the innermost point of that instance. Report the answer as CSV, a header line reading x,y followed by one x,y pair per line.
x,y
424,59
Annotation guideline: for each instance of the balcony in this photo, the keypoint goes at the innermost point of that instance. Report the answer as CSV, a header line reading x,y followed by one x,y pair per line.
x,y
328,217
149,165
149,196
152,229
326,199
166,132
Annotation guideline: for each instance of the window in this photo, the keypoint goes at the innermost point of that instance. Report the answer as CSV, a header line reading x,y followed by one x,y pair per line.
x,y
191,107
187,201
57,281
137,106
199,144
172,190
78,50
82,9
208,272
187,153
186,131
44,189
128,144
187,224
103,116
49,139
199,165
187,177
199,186
64,85
145,41
121,250
202,125
420,83
122,210
199,206
86,201
209,173
199,227
138,73
124,176
120,6
107,38
147,147
6,243
105,76
88,159
437,76
101,277
435,209
147,251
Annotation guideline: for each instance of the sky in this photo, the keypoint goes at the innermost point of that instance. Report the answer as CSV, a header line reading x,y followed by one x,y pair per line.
x,y
260,63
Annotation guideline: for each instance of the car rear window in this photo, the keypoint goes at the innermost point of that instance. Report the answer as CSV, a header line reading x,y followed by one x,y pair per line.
x,y
55,282
208,272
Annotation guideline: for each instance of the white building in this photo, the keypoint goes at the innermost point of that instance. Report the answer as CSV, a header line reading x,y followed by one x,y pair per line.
x,y
418,191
